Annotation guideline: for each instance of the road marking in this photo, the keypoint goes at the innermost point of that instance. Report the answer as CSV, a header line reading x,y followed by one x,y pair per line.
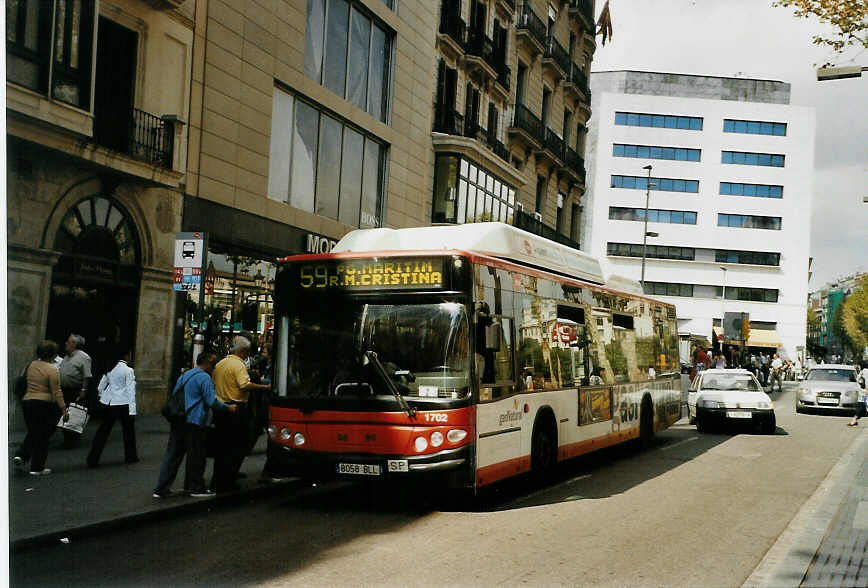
x,y
679,443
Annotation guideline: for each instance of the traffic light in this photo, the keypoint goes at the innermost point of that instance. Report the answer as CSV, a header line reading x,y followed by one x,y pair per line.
x,y
745,327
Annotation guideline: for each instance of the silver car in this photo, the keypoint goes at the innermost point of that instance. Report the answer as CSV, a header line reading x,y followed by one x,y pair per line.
x,y
831,387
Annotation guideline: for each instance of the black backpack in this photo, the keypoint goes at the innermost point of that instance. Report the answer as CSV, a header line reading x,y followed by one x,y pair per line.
x,y
175,409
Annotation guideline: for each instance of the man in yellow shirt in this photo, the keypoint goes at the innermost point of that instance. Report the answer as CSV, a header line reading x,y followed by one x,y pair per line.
x,y
233,386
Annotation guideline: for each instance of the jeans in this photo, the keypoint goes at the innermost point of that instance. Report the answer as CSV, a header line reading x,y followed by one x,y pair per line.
x,y
41,418
128,424
184,439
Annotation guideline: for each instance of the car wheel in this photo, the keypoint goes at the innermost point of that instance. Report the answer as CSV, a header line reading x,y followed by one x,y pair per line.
x,y
543,451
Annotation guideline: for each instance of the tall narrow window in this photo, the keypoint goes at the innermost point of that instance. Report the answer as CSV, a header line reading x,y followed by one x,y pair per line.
x,y
351,177
281,140
360,42
381,56
372,179
329,160
305,135
574,223
560,214
520,83
336,46
546,105
540,193
313,39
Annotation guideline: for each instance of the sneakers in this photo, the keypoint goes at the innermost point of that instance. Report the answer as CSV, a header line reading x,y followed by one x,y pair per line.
x,y
202,494
44,472
17,461
165,494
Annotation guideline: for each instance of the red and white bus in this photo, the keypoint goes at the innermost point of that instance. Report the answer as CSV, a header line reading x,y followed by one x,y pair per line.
x,y
474,352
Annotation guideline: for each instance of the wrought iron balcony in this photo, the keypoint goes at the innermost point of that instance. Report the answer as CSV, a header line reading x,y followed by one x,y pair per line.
x,y
583,8
574,163
447,120
150,138
451,23
576,79
556,55
531,224
508,5
480,45
503,78
525,123
499,148
553,144
531,28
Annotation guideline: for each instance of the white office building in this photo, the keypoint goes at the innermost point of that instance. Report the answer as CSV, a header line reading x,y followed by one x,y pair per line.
x,y
732,167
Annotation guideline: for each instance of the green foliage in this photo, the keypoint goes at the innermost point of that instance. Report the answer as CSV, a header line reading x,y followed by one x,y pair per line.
x,y
848,19
853,318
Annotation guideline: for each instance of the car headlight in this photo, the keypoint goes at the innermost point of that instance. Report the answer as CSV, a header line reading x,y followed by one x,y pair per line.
x,y
456,435
421,444
764,405
436,439
804,391
285,434
711,404
298,439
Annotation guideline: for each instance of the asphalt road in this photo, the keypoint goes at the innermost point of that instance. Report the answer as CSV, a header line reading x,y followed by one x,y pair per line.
x,y
693,510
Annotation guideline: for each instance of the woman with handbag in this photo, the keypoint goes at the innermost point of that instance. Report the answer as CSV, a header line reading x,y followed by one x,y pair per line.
x,y
40,405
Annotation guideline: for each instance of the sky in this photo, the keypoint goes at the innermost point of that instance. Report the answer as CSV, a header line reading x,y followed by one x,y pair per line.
x,y
751,39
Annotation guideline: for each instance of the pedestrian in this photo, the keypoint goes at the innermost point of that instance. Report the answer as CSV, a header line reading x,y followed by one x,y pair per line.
x,y
777,373
41,405
764,368
797,368
233,386
75,377
117,394
862,410
188,437
719,362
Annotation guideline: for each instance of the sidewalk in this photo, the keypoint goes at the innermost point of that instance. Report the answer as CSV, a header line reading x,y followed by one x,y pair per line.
x,y
826,543
75,500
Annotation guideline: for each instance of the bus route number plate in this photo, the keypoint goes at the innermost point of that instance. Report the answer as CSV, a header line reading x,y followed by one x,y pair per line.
x,y
358,469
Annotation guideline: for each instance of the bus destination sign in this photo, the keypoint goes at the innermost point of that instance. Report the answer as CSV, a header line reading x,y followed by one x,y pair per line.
x,y
366,274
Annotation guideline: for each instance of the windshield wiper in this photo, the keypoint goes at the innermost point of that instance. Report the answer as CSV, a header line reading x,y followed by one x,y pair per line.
x,y
372,357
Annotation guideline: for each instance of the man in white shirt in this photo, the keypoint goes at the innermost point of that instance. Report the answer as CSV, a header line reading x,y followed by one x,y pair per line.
x,y
777,373
117,394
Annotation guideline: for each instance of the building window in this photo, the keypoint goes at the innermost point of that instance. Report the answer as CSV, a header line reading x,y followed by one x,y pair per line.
x,y
49,45
322,165
653,152
758,190
754,127
560,213
652,252
677,217
574,223
749,294
747,257
350,53
467,193
541,187
520,83
660,121
745,221
743,158
668,289
661,184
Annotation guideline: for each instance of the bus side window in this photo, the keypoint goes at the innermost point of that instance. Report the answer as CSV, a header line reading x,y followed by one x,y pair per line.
x,y
496,366
569,346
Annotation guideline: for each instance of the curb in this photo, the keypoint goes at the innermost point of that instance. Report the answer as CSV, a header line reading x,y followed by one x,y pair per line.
x,y
189,506
794,551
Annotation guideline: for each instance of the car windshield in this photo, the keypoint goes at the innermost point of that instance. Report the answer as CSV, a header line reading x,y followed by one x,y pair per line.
x,y
832,375
744,382
423,348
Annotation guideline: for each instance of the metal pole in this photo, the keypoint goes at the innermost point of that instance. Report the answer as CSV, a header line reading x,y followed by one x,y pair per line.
x,y
645,229
723,310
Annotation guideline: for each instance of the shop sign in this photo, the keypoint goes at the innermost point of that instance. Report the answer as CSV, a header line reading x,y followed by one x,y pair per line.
x,y
318,244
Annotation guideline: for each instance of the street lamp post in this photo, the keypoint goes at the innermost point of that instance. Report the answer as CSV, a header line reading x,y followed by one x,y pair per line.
x,y
722,309
645,230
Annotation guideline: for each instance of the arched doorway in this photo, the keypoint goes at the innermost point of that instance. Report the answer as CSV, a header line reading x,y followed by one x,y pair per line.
x,y
95,284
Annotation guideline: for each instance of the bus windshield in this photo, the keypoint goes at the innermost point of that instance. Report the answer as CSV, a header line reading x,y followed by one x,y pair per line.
x,y
423,348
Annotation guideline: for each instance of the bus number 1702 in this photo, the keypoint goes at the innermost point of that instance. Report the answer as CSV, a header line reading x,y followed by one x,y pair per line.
x,y
436,417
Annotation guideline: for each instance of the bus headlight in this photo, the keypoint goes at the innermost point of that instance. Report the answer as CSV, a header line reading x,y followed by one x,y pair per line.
x,y
436,439
298,439
421,444
285,434
456,435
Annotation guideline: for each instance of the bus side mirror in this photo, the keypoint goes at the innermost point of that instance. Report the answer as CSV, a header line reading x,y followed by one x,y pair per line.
x,y
492,336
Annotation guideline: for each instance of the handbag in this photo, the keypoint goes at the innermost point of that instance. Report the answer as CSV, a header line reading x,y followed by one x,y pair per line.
x,y
21,383
78,419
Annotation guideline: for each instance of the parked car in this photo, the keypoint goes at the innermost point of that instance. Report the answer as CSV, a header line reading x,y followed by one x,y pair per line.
x,y
719,397
831,387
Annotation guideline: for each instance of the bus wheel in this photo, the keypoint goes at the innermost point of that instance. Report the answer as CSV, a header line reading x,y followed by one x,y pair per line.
x,y
646,423
543,451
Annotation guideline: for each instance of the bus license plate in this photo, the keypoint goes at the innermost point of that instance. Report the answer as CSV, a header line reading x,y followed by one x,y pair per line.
x,y
358,469
737,415
398,465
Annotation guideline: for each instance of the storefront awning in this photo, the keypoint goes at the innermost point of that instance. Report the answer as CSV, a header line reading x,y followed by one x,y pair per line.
x,y
764,339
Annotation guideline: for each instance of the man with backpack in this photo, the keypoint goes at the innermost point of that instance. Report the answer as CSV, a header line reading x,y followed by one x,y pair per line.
x,y
188,433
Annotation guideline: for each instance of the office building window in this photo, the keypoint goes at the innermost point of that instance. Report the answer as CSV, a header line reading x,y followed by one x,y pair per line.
x,y
661,184
668,289
49,45
653,152
754,127
744,221
320,164
744,158
652,252
660,121
677,217
350,53
748,294
467,193
758,190
747,257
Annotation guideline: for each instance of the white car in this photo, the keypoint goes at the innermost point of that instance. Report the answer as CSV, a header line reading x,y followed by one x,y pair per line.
x,y
718,397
